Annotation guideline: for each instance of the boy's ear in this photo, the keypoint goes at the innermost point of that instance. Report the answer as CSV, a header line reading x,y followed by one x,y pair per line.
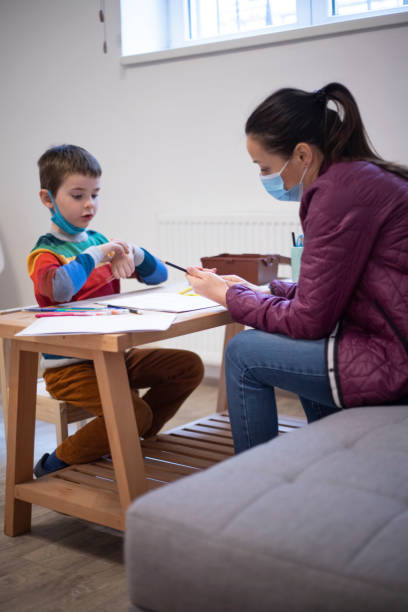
x,y
45,198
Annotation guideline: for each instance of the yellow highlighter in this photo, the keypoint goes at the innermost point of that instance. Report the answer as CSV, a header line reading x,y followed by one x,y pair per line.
x,y
187,291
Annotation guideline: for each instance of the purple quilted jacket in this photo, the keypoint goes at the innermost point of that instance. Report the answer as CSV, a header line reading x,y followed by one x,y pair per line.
x,y
353,284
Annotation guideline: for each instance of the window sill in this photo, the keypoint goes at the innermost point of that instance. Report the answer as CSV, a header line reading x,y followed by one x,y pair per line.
x,y
269,39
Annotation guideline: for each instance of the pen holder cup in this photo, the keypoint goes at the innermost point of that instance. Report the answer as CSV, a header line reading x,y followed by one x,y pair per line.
x,y
296,256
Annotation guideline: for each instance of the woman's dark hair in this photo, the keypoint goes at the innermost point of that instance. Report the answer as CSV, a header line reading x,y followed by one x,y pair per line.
x,y
290,116
59,162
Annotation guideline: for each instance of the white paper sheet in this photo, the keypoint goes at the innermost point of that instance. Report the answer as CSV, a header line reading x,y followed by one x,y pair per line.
x,y
101,324
161,301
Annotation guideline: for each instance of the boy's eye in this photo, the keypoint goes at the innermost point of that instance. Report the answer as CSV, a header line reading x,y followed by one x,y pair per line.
x,y
77,197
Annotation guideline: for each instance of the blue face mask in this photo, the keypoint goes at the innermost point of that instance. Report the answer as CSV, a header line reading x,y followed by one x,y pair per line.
x,y
59,220
273,184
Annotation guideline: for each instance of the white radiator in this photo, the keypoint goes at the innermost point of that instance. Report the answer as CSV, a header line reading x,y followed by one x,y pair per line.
x,y
184,239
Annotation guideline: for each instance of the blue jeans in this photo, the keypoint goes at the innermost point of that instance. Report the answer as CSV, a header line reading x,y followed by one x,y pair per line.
x,y
256,362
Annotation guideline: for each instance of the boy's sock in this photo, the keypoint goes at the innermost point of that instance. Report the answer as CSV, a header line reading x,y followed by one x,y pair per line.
x,y
52,463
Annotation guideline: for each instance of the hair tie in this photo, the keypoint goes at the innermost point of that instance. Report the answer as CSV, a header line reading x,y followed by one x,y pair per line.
x,y
320,95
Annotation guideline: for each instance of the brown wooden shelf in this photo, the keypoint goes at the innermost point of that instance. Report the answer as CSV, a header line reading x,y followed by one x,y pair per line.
x,y
89,491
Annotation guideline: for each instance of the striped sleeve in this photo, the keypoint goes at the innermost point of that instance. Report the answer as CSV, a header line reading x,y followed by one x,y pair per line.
x,y
151,270
58,282
69,278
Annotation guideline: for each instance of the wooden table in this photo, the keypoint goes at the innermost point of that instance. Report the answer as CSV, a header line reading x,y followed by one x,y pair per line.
x,y
102,491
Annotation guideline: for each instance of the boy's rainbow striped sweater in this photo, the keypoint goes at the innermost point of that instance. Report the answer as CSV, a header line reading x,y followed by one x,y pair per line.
x,y
68,268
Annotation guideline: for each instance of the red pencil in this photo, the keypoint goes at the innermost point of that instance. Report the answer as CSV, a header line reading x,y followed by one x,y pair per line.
x,y
39,315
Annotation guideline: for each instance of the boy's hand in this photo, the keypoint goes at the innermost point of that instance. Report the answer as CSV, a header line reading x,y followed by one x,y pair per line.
x,y
123,266
115,247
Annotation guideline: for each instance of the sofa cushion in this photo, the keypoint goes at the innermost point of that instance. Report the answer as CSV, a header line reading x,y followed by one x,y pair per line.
x,y
314,520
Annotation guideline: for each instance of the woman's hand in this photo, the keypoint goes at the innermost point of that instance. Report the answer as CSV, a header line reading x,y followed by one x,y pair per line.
x,y
208,284
233,279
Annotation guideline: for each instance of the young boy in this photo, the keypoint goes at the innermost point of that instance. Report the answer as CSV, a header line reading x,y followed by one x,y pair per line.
x,y
72,263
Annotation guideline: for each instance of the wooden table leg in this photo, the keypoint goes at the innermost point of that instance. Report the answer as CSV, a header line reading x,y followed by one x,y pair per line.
x,y
121,426
20,436
231,330
4,376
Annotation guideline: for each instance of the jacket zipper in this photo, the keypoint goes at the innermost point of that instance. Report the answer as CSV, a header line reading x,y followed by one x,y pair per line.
x,y
393,326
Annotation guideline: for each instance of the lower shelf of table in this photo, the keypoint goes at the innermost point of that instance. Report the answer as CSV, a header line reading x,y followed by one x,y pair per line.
x,y
89,491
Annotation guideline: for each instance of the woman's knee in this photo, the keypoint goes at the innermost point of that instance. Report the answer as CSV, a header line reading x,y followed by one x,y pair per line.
x,y
237,348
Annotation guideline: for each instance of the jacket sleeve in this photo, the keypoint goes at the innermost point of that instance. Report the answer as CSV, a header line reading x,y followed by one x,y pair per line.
x,y
283,288
339,233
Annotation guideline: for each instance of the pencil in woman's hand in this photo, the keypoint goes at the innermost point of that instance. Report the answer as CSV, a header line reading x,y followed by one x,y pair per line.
x,y
175,266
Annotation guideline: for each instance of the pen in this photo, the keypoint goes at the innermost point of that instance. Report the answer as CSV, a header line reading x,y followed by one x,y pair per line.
x,y
174,266
75,308
126,308
293,239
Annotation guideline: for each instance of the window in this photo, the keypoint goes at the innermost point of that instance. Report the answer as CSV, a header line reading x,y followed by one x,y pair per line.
x,y
220,17
158,25
351,7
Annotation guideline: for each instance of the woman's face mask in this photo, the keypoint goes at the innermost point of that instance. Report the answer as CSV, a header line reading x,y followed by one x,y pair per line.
x,y
273,184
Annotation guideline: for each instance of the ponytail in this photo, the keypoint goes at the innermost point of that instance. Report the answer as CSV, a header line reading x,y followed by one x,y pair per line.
x,y
328,118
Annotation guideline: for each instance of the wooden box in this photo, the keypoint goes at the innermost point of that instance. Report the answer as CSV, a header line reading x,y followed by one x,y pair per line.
x,y
255,268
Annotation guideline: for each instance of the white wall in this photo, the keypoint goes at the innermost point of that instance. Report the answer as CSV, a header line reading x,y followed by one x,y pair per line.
x,y
169,136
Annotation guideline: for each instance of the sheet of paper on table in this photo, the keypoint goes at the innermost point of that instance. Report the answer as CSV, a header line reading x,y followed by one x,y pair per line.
x,y
103,324
161,301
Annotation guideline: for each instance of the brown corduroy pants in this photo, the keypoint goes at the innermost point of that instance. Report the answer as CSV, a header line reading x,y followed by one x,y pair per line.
x,y
169,375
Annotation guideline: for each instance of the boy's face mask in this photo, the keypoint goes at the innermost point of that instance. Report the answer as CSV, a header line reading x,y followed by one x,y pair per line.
x,y
273,184
59,220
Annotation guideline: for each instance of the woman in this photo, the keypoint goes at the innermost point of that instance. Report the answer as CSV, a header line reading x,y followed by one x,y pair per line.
x,y
339,337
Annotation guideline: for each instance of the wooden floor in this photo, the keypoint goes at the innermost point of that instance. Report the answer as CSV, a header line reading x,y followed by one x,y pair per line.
x,y
65,563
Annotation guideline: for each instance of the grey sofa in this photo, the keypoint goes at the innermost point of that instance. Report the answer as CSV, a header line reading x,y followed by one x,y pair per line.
x,y
316,520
